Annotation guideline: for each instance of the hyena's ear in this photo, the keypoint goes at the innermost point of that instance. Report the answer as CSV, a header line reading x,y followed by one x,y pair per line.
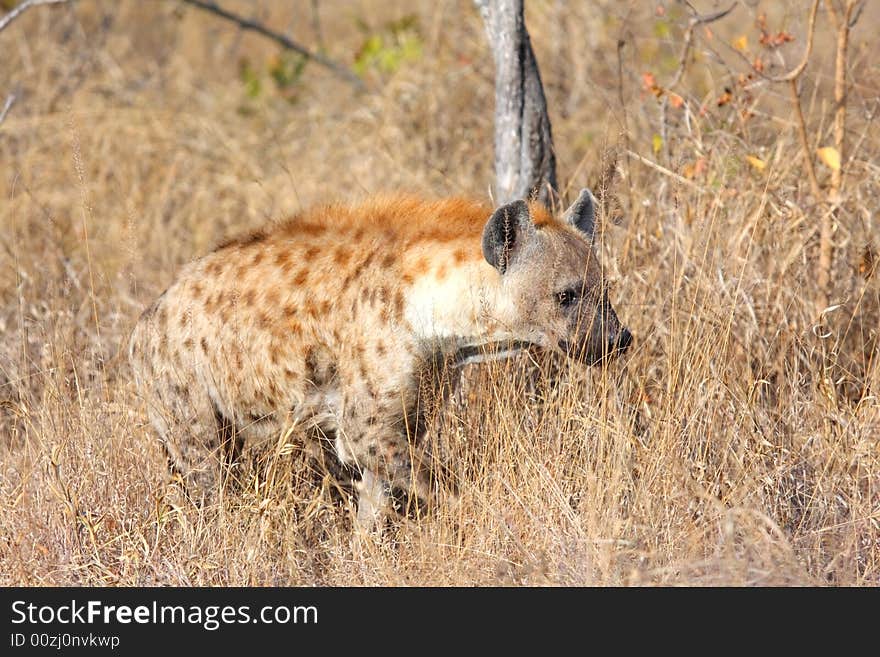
x,y
504,233
582,213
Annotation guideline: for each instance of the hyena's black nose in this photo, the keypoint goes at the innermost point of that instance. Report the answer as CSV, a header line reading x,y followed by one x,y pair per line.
x,y
623,341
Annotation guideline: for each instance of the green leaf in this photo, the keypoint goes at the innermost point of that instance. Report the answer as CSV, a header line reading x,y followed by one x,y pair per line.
x,y
656,143
250,77
385,51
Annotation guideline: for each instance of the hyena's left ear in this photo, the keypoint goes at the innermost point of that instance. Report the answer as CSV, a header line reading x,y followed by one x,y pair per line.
x,y
505,233
582,213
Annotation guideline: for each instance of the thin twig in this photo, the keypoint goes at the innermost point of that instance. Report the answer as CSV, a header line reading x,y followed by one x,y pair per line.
x,y
665,171
696,19
805,141
627,141
624,115
857,13
797,70
792,78
259,28
316,26
10,100
23,7
832,13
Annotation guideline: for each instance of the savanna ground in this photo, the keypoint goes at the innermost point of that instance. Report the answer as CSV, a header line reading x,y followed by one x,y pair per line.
x,y
737,443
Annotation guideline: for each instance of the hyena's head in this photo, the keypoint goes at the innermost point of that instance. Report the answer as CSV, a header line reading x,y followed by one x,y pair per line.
x,y
553,281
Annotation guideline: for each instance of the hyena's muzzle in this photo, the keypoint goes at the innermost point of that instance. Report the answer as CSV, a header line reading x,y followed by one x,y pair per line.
x,y
600,337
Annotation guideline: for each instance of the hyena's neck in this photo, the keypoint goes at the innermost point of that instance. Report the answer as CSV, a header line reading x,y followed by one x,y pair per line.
x,y
460,301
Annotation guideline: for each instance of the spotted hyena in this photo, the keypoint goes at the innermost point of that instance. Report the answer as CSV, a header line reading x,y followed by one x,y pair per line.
x,y
338,317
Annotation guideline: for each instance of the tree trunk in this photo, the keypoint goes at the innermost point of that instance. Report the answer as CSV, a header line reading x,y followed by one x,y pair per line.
x,y
525,164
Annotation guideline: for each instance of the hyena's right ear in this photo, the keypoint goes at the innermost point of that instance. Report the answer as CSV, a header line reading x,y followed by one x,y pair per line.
x,y
582,213
504,232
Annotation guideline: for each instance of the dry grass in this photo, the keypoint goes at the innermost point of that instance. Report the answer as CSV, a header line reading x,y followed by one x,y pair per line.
x,y
739,443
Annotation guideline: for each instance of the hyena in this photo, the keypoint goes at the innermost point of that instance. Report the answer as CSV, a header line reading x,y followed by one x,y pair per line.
x,y
338,317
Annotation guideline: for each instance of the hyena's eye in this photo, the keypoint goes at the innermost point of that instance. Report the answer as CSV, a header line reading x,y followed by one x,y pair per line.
x,y
568,298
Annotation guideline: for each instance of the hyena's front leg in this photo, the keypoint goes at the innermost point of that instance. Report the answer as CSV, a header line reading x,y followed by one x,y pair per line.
x,y
382,456
376,442
374,494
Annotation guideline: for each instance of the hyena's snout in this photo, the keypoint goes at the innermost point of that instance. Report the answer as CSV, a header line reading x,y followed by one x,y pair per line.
x,y
621,342
603,338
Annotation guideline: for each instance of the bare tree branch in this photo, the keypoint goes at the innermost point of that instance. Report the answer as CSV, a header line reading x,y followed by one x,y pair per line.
x,y
23,7
795,73
695,20
826,246
840,97
792,79
259,28
244,23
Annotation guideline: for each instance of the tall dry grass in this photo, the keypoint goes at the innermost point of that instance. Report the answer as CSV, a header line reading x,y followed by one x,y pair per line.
x,y
737,443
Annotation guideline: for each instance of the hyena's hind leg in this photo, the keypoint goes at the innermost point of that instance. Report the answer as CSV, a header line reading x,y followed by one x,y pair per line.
x,y
196,438
199,442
